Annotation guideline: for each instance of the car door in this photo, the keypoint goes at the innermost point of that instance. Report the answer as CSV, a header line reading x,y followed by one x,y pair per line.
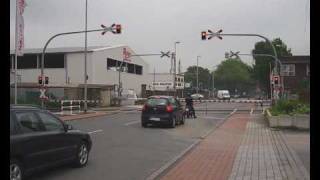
x,y
62,144
28,140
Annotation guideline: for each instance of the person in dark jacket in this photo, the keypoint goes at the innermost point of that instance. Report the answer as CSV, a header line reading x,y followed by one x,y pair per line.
x,y
189,104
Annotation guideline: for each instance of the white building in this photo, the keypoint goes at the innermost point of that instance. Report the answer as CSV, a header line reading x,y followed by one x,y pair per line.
x,y
65,67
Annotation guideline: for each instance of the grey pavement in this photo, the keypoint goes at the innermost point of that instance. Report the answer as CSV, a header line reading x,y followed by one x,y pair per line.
x,y
123,150
265,154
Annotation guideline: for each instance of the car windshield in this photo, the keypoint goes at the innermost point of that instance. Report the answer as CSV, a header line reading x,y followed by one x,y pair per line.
x,y
156,101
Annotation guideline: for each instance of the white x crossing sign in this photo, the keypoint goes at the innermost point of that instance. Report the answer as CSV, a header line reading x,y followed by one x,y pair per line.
x,y
43,94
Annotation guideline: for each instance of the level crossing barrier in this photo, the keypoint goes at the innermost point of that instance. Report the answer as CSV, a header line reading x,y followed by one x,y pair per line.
x,y
71,105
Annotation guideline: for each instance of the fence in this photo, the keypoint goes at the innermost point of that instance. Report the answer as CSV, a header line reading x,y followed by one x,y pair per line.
x,y
71,105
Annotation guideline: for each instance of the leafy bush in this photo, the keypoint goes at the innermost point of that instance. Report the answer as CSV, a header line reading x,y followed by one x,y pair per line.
x,y
289,107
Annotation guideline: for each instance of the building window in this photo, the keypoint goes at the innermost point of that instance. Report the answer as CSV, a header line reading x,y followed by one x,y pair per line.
x,y
308,70
53,61
131,68
139,69
288,70
111,64
28,61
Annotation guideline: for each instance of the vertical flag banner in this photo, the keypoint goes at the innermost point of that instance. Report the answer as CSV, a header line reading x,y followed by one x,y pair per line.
x,y
21,4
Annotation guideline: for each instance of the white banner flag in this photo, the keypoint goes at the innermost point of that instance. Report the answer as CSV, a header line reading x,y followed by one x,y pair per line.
x,y
21,4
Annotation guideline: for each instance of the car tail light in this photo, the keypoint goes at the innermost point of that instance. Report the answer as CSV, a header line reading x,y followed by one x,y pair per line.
x,y
169,108
144,107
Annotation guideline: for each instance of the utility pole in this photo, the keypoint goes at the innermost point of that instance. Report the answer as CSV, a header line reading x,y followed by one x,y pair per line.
x,y
154,79
175,69
85,61
198,74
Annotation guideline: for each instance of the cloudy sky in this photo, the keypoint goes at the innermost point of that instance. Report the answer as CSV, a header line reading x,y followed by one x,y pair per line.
x,y
151,26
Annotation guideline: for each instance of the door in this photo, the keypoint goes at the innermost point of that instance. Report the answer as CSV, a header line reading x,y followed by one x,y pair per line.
x,y
28,139
62,144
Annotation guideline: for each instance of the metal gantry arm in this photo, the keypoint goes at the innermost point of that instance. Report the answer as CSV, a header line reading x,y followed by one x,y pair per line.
x,y
61,34
162,54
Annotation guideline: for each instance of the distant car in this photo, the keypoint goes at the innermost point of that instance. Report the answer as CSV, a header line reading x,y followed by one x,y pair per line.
x,y
223,94
39,139
162,110
197,96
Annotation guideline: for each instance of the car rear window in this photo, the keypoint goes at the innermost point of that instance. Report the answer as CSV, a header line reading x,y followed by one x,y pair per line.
x,y
156,101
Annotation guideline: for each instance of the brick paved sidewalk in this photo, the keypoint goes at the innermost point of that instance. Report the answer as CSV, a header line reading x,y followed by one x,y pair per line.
x,y
244,147
213,157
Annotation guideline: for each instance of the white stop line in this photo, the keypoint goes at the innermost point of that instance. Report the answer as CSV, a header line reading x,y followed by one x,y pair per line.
x,y
96,131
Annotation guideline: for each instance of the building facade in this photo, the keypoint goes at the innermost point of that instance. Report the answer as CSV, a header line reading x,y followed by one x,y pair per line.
x,y
65,69
296,74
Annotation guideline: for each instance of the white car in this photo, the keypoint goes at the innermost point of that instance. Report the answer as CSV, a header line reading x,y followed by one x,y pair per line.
x,y
197,96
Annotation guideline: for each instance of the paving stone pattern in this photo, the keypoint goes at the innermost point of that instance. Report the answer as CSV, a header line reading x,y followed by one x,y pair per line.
x,y
263,154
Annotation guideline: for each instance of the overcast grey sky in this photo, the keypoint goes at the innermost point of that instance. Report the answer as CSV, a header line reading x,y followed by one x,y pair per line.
x,y
151,26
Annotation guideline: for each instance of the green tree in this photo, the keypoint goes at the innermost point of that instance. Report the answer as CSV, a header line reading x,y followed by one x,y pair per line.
x,y
233,74
262,64
205,77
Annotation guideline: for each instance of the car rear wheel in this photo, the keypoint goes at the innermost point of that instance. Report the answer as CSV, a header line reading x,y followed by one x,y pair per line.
x,y
173,122
182,120
143,124
82,155
16,171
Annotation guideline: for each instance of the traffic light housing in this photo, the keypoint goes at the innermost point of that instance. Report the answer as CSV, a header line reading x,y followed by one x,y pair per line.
x,y
118,28
276,80
204,35
40,80
46,80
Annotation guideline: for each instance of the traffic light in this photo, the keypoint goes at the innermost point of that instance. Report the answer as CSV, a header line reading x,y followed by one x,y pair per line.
x,y
40,80
276,80
118,29
204,35
46,80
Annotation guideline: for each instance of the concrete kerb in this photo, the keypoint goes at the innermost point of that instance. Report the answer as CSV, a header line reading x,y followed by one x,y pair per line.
x,y
162,170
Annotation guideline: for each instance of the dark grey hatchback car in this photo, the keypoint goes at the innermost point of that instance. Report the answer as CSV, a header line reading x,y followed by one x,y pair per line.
x,y
39,139
162,110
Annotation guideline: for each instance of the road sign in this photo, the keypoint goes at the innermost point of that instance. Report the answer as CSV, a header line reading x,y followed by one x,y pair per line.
x,y
43,93
165,54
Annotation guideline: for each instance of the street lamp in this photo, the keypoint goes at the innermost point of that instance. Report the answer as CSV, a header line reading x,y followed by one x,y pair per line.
x,y
85,61
213,80
198,74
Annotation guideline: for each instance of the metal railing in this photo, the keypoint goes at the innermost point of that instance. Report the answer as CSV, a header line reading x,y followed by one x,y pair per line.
x,y
71,106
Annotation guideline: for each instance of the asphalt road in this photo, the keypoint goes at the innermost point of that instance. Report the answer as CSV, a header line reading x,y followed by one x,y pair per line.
x,y
123,150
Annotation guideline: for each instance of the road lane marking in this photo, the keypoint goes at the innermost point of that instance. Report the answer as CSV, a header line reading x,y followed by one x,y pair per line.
x,y
96,131
251,111
132,122
234,111
210,117
170,163
263,110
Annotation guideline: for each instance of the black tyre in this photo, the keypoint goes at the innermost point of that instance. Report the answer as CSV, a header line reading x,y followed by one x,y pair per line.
x,y
16,170
143,124
182,120
173,122
82,155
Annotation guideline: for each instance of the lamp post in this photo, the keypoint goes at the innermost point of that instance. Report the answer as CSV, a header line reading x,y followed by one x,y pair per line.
x,y
85,61
174,65
198,74
213,80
